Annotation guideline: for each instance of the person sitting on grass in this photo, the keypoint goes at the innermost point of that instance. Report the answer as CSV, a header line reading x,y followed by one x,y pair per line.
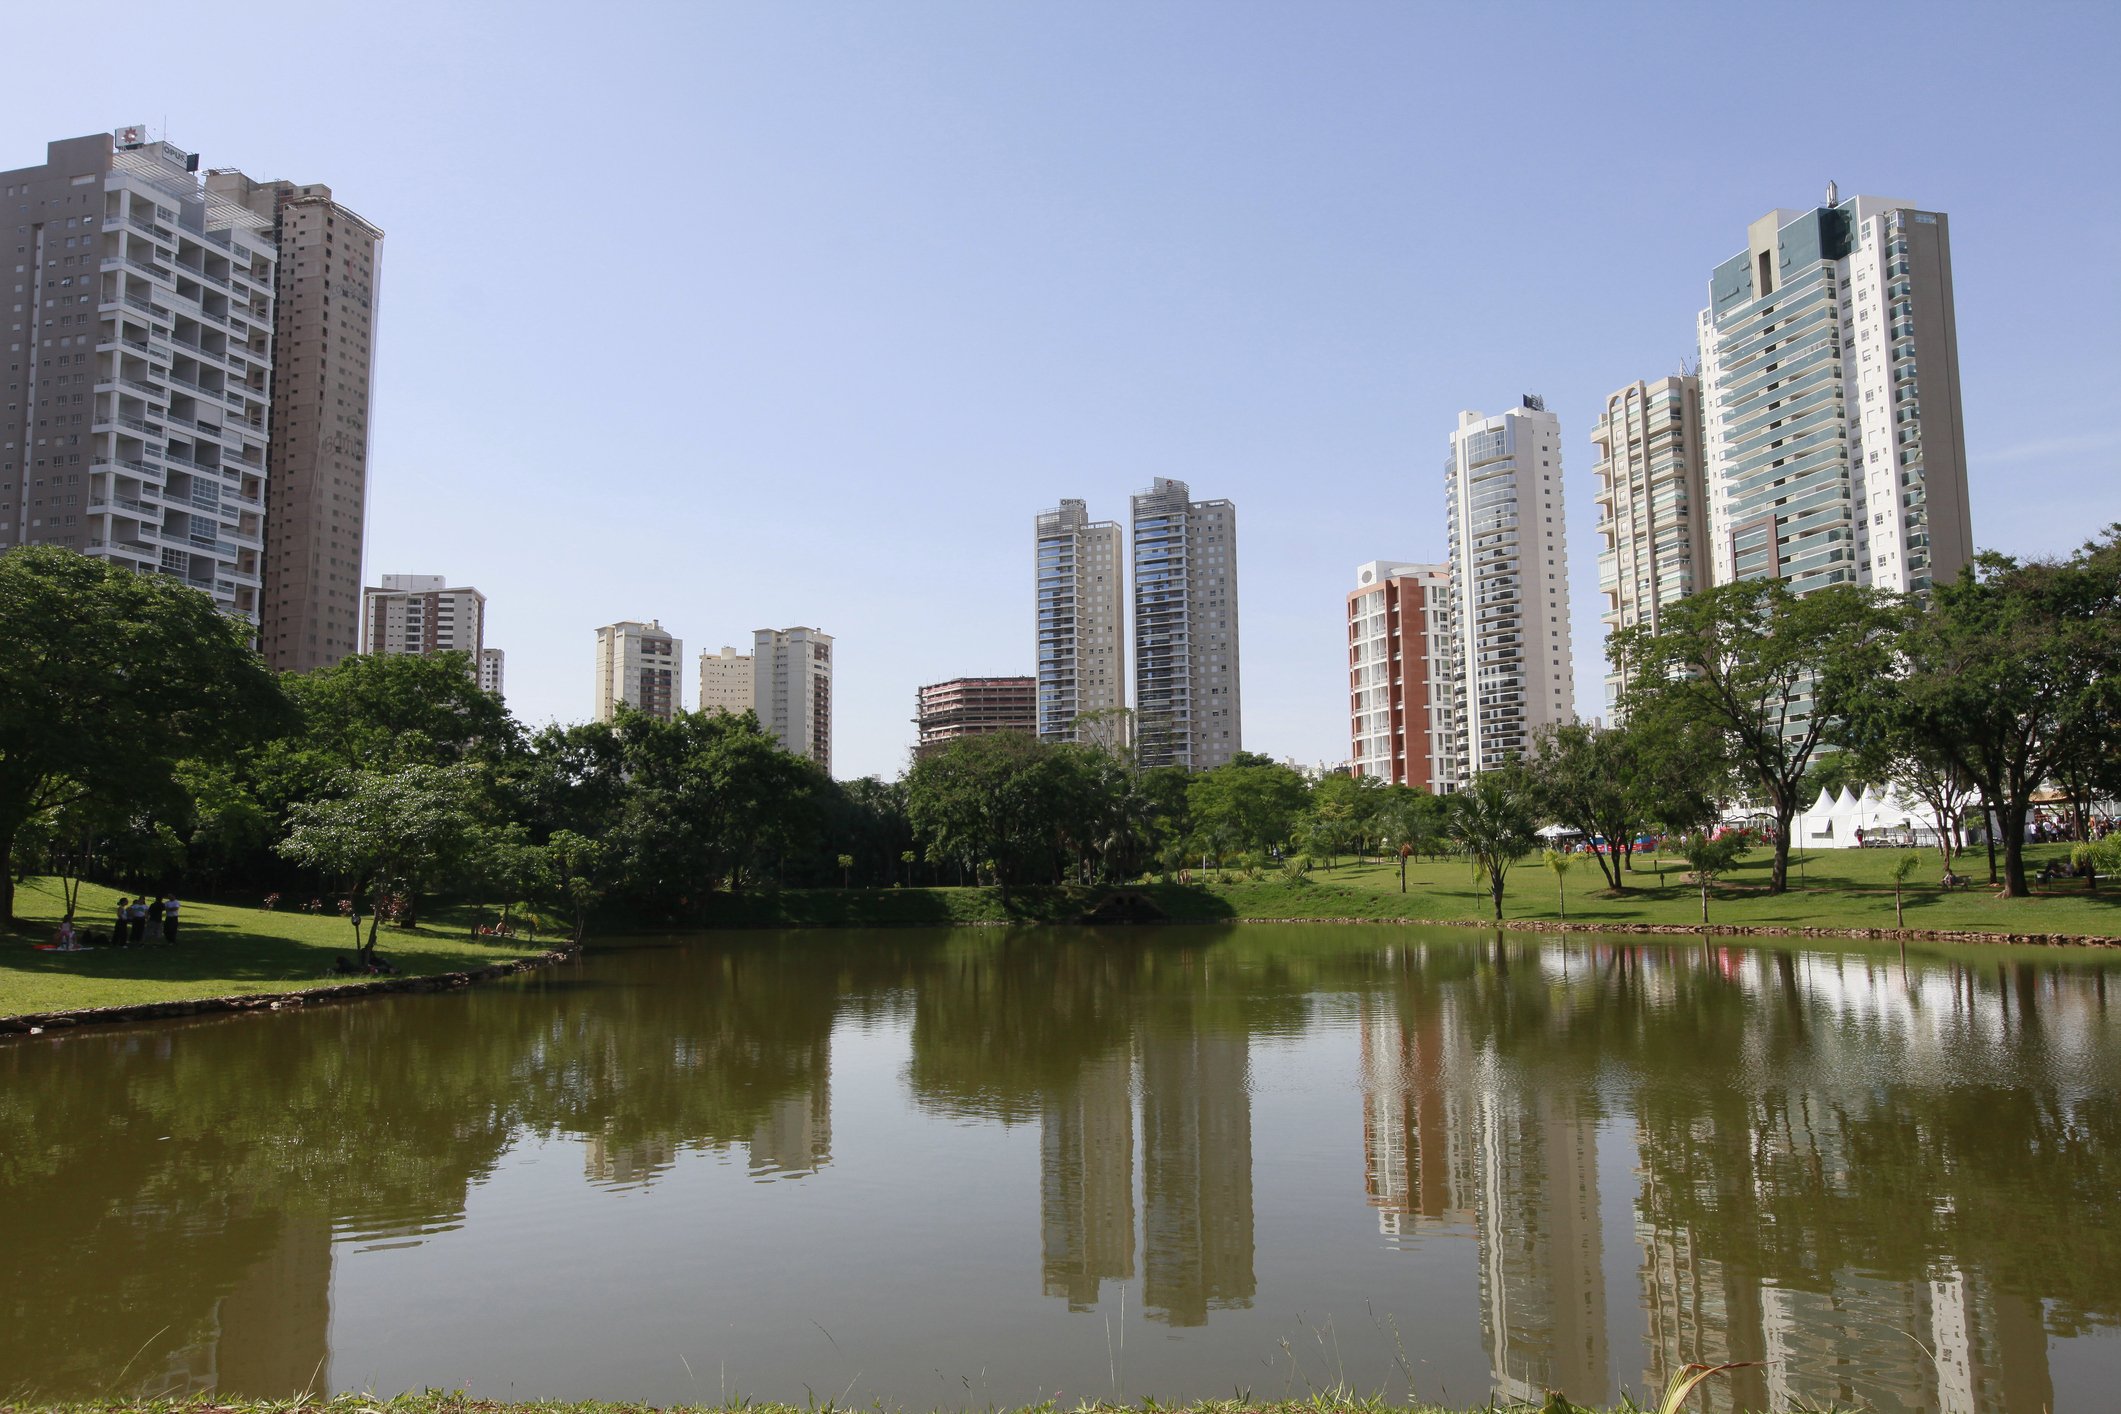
x,y
65,936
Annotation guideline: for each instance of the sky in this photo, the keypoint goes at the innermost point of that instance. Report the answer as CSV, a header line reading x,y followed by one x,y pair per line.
x,y
753,315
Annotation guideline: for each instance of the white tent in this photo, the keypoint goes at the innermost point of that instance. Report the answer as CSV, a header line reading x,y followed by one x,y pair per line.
x,y
1879,813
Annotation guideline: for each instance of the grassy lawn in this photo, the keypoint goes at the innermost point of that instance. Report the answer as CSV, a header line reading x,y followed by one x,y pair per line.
x,y
223,950
1844,888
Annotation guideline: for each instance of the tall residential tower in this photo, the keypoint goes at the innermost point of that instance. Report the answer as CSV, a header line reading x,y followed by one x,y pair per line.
x,y
323,361
422,614
1399,670
1830,400
1081,590
642,666
1514,670
1186,700
139,366
1652,508
792,689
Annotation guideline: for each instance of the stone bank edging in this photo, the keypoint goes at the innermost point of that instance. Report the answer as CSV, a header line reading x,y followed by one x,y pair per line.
x,y
34,1023
1744,930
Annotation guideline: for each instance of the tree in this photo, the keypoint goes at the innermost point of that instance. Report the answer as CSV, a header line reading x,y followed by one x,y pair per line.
x,y
2007,670
386,828
1710,854
1405,820
846,863
1559,863
571,865
1493,823
1028,808
1774,671
1251,803
113,678
1903,869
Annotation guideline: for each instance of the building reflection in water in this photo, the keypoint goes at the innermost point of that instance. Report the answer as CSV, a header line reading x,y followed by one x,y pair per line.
x,y
1753,1239
1086,1182
1196,1175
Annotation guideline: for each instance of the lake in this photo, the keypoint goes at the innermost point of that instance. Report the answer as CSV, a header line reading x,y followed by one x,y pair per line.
x,y
956,1169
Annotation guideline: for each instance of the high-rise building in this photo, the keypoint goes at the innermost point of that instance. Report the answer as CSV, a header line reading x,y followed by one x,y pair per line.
x,y
1830,400
1399,673
421,613
1652,506
139,365
726,682
1186,699
1081,626
324,326
642,666
945,711
792,689
493,668
1513,669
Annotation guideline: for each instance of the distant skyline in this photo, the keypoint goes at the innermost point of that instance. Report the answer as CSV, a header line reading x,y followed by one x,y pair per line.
x,y
745,315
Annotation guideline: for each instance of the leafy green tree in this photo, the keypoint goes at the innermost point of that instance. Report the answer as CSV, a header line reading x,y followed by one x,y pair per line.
x,y
2006,672
1493,822
1775,672
111,680
1028,809
1250,803
1711,855
387,828
570,869
1406,820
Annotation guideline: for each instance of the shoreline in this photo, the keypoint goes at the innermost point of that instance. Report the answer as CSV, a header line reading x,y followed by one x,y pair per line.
x,y
39,1023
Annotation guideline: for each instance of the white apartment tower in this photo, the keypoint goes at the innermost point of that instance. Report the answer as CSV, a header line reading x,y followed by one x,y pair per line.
x,y
1399,673
1186,676
421,613
641,665
1830,401
1081,591
139,365
727,682
1513,668
792,689
1652,506
493,671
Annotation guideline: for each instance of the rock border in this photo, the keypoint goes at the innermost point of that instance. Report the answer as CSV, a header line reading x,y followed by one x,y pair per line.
x,y
39,1023
1739,930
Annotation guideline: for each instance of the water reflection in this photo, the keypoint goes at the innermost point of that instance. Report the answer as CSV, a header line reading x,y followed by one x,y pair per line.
x,y
1890,1183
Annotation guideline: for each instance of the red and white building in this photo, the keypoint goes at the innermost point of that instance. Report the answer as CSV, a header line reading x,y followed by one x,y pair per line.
x,y
1399,659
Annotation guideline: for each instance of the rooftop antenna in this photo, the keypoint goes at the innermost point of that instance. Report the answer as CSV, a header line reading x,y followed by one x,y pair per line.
x,y
1833,194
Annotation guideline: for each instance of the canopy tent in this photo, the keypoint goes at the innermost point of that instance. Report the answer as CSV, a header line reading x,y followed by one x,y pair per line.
x,y
1879,813
1557,832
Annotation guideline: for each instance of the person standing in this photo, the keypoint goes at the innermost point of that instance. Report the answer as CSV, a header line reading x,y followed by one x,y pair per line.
x,y
136,917
122,926
169,919
154,918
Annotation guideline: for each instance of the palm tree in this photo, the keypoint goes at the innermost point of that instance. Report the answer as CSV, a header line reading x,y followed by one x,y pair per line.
x,y
1555,860
1492,821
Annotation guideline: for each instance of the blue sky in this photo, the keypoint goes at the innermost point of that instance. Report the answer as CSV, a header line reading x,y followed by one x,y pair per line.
x,y
765,314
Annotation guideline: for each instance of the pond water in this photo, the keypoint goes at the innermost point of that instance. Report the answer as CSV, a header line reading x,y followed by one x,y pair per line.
x,y
957,1169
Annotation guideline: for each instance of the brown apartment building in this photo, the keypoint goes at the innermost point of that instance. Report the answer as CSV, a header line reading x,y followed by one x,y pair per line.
x,y
323,365
1399,661
945,711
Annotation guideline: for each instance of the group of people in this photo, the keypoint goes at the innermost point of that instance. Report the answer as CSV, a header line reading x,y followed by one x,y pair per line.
x,y
141,918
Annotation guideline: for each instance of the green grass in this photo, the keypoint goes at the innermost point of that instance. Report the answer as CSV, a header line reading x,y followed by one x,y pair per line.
x,y
223,950
1841,889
